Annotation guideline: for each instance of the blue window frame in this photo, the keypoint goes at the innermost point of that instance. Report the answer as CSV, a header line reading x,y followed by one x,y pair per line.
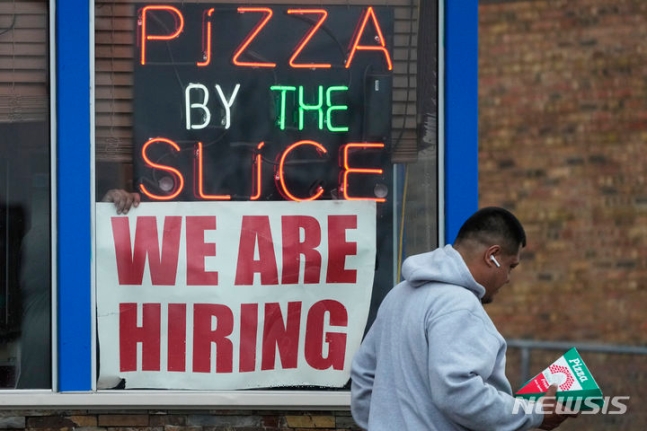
x,y
73,185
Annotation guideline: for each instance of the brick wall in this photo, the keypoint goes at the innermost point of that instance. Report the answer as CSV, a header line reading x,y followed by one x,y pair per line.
x,y
563,124
562,133
214,420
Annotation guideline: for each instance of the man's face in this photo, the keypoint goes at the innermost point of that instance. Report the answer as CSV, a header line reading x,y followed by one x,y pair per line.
x,y
500,275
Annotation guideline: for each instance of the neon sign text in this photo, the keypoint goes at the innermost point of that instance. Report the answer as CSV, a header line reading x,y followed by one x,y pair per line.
x,y
317,107
324,108
347,170
266,15
202,106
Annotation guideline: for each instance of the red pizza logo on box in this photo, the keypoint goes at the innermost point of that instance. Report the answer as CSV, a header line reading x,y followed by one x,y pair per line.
x,y
575,382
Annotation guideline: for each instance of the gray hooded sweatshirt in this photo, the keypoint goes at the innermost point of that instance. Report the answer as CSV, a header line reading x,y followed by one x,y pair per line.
x,y
433,360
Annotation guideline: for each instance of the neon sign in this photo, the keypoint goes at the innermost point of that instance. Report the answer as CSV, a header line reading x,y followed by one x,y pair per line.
x,y
262,103
267,13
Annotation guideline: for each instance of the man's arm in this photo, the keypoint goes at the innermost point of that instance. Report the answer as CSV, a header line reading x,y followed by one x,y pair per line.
x,y
362,377
462,357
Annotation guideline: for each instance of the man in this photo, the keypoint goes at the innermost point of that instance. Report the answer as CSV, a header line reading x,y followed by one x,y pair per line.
x,y
433,360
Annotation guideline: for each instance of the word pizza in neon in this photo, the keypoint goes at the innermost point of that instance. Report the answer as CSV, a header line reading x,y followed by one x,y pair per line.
x,y
265,16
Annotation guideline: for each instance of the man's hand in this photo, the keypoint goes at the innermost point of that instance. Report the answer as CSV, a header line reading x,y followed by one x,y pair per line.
x,y
122,199
554,412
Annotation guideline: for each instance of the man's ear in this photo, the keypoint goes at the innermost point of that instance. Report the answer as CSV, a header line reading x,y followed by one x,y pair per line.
x,y
490,255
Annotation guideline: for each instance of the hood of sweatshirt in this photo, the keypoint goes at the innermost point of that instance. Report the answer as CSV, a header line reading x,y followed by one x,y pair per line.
x,y
443,265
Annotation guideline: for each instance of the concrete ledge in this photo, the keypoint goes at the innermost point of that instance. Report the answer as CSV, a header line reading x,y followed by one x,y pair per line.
x,y
258,400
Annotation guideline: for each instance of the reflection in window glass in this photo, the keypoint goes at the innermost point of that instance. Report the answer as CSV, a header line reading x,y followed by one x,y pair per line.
x,y
25,214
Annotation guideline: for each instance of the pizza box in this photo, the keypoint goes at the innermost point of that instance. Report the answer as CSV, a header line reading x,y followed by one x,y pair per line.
x,y
577,388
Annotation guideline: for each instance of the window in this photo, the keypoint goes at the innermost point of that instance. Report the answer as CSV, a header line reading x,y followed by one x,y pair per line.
x,y
277,155
25,214
413,172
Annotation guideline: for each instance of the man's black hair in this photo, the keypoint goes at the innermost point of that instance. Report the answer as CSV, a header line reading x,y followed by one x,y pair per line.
x,y
494,225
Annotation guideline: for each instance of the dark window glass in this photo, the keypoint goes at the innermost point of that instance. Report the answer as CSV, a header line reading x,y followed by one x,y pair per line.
x,y
25,213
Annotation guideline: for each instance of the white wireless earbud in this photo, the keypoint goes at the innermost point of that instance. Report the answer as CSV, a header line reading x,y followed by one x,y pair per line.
x,y
496,262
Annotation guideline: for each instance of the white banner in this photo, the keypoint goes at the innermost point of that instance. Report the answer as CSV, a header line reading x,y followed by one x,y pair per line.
x,y
232,295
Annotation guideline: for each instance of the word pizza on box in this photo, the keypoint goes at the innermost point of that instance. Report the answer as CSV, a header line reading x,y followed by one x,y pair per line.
x,y
210,295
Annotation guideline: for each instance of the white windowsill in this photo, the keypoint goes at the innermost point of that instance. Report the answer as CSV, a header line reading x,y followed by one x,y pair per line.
x,y
275,400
